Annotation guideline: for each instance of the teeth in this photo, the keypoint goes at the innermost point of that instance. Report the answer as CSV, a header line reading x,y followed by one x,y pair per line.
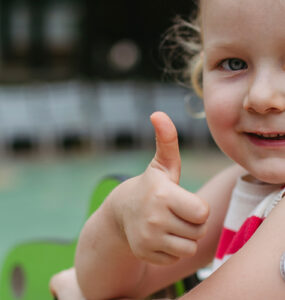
x,y
270,135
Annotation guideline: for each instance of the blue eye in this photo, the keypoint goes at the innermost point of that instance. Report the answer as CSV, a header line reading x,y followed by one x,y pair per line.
x,y
233,64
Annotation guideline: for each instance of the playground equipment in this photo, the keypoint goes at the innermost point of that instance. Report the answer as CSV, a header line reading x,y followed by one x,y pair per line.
x,y
28,267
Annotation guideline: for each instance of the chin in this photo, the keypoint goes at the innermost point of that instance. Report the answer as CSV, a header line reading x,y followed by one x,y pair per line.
x,y
272,176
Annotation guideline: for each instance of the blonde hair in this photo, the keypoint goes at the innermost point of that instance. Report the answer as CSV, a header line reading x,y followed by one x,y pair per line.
x,y
182,52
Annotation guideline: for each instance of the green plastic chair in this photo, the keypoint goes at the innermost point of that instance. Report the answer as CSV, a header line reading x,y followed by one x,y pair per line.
x,y
28,267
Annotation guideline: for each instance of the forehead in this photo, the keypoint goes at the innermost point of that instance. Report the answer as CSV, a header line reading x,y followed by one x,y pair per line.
x,y
243,18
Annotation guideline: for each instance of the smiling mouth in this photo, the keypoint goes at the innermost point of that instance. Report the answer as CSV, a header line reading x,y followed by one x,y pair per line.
x,y
268,136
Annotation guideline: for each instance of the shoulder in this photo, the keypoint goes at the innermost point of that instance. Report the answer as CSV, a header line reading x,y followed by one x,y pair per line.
x,y
256,266
223,182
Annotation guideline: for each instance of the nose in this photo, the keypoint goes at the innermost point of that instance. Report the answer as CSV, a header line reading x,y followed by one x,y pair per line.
x,y
266,95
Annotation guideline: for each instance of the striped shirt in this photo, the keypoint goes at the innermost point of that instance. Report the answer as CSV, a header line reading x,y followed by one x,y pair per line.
x,y
251,203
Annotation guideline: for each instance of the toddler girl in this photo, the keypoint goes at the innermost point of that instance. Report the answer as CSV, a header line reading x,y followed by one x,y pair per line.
x,y
150,232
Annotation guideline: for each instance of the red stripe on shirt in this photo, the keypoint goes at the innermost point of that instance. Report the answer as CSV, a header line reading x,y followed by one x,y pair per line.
x,y
225,240
232,241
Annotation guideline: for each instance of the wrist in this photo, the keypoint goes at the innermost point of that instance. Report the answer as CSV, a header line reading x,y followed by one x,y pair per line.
x,y
117,204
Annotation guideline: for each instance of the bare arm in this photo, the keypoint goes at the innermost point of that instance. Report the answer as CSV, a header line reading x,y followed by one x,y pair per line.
x,y
103,256
112,257
253,272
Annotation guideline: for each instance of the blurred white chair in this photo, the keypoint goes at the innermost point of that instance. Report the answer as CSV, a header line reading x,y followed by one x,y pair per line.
x,y
93,117
37,101
65,109
117,110
16,122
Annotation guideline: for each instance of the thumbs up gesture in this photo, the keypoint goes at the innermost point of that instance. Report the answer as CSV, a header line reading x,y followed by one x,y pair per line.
x,y
160,220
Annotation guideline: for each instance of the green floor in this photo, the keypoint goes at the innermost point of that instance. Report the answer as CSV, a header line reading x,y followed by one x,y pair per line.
x,y
48,198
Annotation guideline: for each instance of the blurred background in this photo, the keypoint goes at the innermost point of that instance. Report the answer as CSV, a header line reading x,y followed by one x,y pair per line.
x,y
78,81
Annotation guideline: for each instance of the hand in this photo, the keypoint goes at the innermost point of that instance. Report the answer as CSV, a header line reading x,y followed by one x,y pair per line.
x,y
160,220
64,286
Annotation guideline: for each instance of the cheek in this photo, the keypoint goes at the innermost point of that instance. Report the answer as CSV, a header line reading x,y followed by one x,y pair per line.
x,y
222,110
223,98
221,122
223,102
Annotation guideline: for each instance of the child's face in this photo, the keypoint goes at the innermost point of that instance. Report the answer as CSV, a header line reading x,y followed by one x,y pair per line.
x,y
244,82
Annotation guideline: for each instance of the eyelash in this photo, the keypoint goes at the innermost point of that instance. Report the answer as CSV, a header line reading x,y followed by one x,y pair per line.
x,y
231,59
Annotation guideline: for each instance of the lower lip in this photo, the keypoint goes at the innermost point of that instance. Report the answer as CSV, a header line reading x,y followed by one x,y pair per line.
x,y
266,143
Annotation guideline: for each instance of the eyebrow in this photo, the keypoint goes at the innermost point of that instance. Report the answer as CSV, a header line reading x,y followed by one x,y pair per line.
x,y
224,45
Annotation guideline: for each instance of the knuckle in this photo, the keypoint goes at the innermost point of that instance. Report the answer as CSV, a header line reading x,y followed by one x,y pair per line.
x,y
160,193
153,221
202,212
146,239
156,195
140,251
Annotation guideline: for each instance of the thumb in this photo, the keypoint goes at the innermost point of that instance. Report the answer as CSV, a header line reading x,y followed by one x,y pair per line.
x,y
167,153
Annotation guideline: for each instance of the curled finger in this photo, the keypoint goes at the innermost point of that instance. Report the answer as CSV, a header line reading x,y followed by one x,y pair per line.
x,y
179,247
